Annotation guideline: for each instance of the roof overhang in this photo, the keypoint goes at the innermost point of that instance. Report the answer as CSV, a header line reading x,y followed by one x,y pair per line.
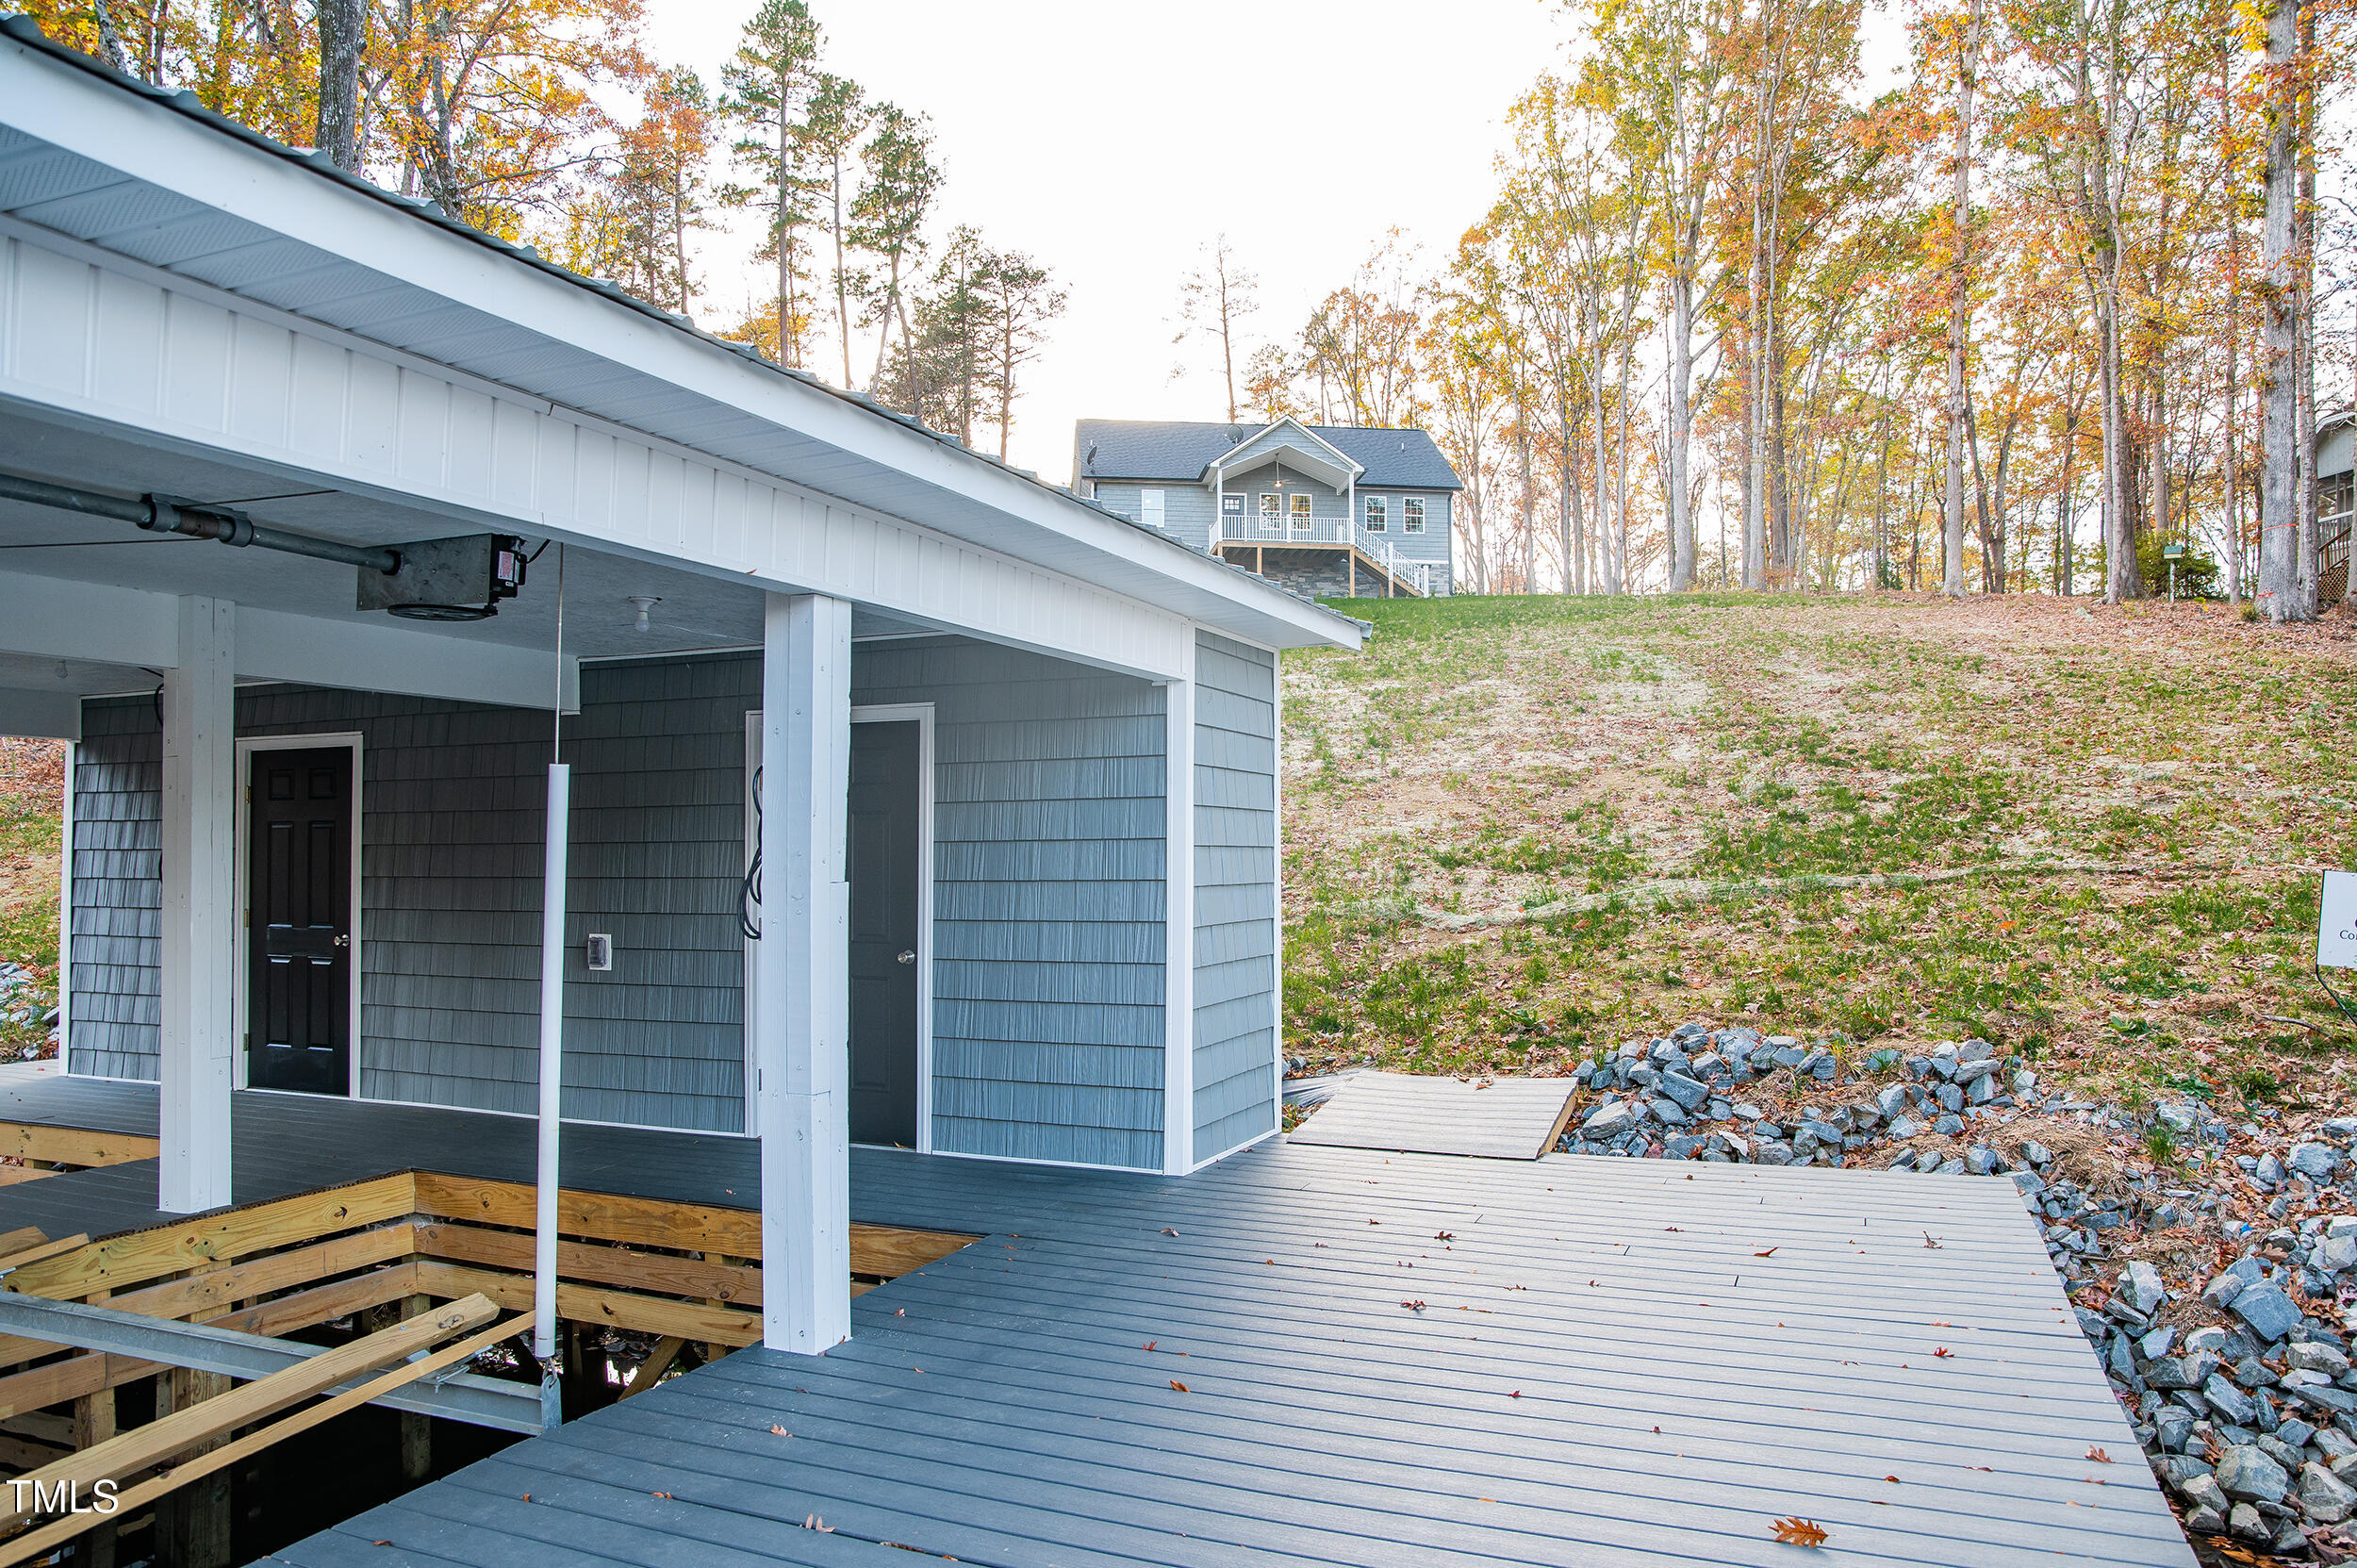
x,y
1299,448
166,185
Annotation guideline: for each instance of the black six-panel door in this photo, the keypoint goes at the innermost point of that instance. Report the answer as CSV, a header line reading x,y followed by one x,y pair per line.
x,y
884,871
299,915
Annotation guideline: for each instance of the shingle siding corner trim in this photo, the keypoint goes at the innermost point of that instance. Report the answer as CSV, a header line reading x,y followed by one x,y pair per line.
x,y
1236,923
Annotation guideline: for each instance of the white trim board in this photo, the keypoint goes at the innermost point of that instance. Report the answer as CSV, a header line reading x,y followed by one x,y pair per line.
x,y
242,935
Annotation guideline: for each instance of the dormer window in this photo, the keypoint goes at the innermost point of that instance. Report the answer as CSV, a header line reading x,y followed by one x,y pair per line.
x,y
1379,514
1411,515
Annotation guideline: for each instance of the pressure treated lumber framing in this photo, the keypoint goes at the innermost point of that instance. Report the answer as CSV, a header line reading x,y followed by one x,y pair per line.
x,y
94,1373
646,1315
51,1536
71,1146
602,1216
163,1438
658,1362
722,1284
46,1249
120,1261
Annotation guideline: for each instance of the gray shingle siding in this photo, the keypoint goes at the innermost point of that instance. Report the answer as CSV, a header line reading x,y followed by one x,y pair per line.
x,y
1048,894
1048,899
451,851
1235,894
1188,511
117,864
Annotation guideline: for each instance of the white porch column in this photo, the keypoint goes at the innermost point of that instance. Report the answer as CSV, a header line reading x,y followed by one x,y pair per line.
x,y
801,1052
199,909
1179,920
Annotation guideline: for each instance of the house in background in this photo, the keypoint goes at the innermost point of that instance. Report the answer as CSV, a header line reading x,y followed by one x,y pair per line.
x,y
1331,511
2336,505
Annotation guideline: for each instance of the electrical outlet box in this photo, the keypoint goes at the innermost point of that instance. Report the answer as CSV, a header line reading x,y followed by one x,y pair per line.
x,y
600,950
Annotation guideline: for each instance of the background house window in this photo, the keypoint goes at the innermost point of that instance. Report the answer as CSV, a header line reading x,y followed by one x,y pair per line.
x,y
1272,511
1377,514
1150,508
1301,510
1412,514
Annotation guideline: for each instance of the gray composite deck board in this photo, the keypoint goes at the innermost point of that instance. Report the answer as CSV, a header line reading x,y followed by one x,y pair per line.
x,y
1506,1118
1605,1371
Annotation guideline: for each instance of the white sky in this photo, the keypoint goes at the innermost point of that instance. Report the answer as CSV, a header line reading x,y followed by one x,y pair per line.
x,y
1113,141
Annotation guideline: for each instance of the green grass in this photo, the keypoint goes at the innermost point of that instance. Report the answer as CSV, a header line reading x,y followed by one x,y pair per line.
x,y
29,845
1494,756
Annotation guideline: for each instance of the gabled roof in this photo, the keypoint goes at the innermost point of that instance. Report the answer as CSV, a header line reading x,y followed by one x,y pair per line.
x,y
1177,451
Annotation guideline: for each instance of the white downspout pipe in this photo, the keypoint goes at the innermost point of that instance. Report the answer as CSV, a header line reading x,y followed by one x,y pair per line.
x,y
552,1042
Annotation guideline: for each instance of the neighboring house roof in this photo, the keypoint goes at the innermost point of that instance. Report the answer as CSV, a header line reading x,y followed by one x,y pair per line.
x,y
1178,451
2334,444
869,455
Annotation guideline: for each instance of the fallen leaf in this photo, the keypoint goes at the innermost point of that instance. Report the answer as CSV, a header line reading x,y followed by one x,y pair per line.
x,y
1928,1241
899,1312
1516,1394
1179,1386
1414,1306
2099,1456
1444,1235
1149,1344
1770,1253
1941,1350
1669,1228
1168,1231
776,1430
663,1494
1799,1532
1894,1481
812,1521
380,1543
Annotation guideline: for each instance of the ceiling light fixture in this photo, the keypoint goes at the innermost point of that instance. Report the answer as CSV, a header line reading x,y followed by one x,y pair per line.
x,y
646,604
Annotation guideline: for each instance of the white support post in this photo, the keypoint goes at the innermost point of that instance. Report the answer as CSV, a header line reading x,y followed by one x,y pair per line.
x,y
801,1055
1179,918
547,1172
199,910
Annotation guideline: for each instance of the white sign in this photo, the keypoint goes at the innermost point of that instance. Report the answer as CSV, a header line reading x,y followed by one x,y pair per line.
x,y
2337,923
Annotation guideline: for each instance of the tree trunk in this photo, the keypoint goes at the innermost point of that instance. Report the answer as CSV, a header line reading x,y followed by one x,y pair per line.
x,y
1681,430
341,24
2279,501
1959,305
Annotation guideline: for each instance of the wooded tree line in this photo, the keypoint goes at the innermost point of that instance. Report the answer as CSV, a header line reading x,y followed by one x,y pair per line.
x,y
2022,322
549,122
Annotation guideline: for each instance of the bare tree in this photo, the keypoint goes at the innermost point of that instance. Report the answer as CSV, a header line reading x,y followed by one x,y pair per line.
x,y
1214,301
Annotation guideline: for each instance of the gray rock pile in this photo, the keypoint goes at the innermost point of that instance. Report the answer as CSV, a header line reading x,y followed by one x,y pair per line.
x,y
23,1009
1698,1093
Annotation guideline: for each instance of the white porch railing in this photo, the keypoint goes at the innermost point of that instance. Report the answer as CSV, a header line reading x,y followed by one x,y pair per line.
x,y
1254,529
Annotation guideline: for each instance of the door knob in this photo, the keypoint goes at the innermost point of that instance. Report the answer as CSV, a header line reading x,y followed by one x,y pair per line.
x,y
909,957
343,939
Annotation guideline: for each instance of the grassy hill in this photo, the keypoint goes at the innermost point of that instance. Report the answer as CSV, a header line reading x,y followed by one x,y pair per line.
x,y
1519,828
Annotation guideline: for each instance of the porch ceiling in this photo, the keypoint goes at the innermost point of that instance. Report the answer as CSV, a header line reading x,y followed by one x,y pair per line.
x,y
696,610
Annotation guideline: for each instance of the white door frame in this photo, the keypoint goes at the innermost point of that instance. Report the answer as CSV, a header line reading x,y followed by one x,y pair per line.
x,y
247,745
922,713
